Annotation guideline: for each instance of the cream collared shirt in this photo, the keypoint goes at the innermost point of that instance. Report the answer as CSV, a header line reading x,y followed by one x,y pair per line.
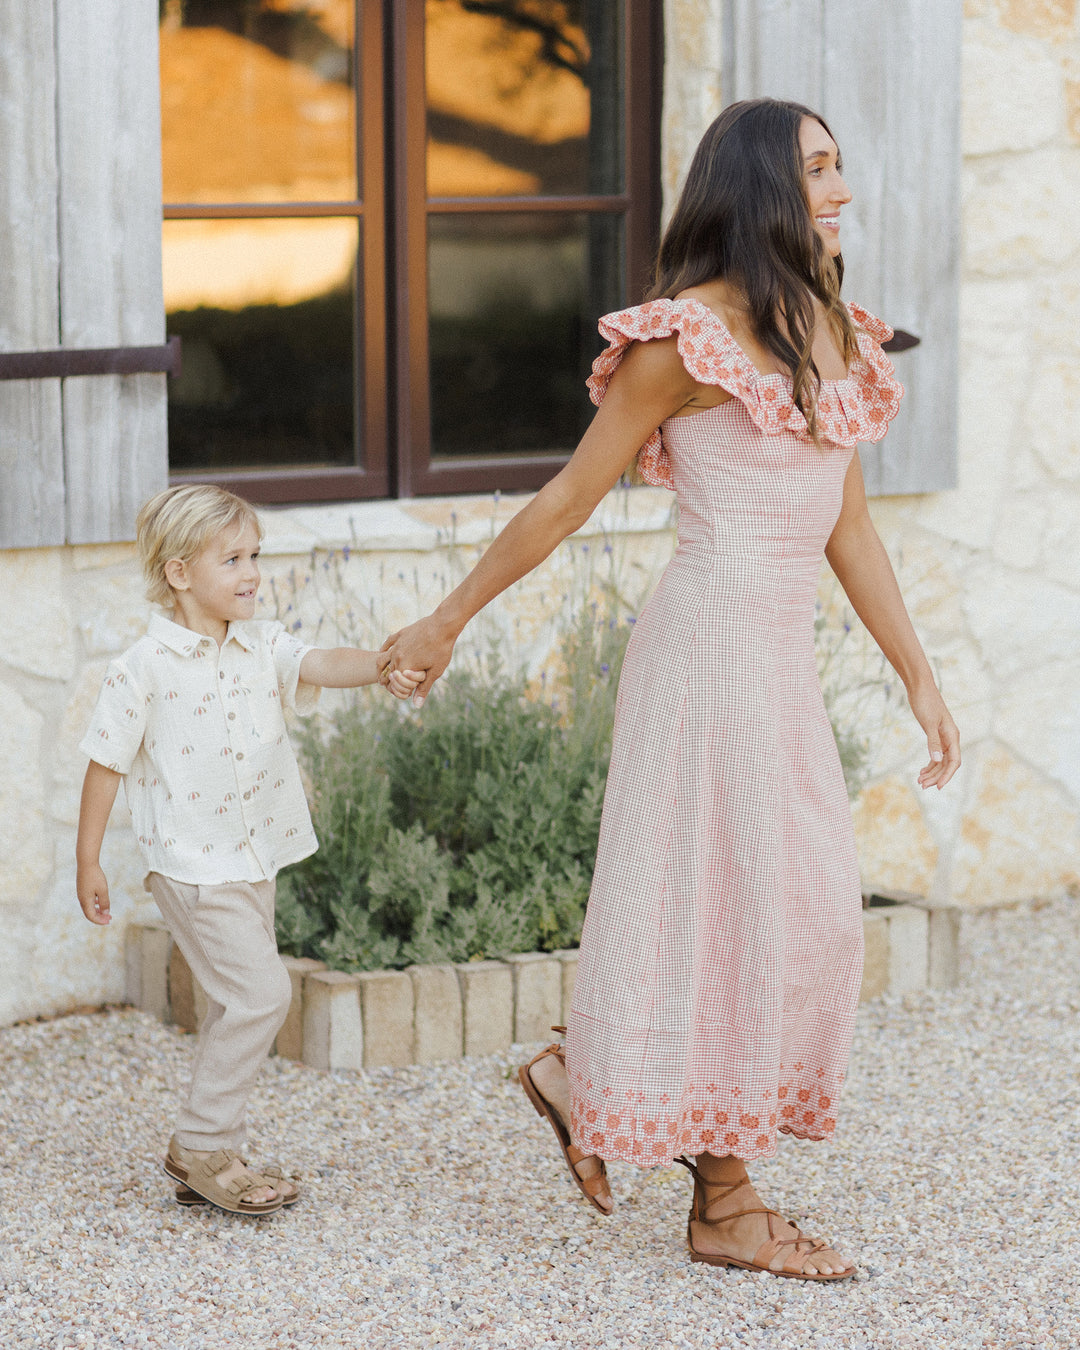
x,y
199,735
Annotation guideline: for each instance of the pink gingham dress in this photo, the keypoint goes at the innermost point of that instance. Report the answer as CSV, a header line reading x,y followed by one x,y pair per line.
x,y
722,952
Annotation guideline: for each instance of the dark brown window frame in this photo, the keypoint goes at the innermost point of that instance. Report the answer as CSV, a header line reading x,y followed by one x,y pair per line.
x,y
393,403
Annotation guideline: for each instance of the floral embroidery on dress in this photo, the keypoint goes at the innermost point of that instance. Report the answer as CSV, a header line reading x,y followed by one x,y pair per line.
x,y
856,408
691,1125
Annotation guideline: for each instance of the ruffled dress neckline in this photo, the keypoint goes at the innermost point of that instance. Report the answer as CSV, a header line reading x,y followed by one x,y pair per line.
x,y
857,407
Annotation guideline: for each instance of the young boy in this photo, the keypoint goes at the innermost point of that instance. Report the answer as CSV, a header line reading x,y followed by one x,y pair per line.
x,y
191,718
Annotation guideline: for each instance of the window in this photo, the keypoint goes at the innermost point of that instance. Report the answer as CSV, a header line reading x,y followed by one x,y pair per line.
x,y
389,230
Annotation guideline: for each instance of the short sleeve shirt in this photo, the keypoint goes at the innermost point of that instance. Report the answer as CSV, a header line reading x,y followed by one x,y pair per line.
x,y
199,734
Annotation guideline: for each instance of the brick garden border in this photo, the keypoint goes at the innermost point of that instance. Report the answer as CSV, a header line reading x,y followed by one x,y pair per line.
x,y
427,1014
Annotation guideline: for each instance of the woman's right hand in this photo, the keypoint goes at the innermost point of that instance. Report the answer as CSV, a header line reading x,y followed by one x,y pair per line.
x,y
426,645
942,736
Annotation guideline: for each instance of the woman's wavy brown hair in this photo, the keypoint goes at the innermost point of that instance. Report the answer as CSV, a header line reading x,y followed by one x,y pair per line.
x,y
744,215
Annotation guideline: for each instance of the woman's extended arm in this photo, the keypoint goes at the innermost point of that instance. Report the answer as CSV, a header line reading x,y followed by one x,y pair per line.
x,y
650,385
857,556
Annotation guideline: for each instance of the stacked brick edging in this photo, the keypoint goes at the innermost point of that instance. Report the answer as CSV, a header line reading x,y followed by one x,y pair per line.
x,y
426,1014
382,1017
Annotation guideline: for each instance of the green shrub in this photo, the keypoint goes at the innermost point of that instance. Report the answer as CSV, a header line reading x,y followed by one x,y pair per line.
x,y
462,832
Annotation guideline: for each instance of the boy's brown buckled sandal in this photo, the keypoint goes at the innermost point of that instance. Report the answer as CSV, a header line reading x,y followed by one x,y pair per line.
x,y
200,1175
273,1175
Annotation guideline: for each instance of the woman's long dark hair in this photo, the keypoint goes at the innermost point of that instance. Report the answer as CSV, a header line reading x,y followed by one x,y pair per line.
x,y
744,216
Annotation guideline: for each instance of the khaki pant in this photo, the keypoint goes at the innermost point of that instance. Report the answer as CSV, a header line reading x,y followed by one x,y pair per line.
x,y
226,933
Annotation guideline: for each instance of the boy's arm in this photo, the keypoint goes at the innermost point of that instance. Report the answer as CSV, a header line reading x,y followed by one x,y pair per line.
x,y
98,795
348,667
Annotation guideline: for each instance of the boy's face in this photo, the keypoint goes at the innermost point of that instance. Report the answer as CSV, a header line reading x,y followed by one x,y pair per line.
x,y
223,580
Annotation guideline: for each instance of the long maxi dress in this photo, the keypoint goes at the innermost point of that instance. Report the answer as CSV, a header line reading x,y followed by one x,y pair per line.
x,y
722,950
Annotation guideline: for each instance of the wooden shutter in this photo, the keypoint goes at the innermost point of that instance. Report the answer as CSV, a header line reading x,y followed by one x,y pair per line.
x,y
887,80
80,217
31,446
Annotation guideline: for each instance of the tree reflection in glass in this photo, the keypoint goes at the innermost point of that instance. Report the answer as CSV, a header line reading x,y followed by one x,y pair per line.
x,y
265,309
523,97
257,100
513,302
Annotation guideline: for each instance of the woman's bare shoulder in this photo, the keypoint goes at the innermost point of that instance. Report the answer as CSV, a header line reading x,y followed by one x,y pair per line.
x,y
655,365
721,298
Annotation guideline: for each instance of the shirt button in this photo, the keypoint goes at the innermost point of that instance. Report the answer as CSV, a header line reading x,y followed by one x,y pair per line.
x,y
232,717
221,674
247,795
239,754
252,832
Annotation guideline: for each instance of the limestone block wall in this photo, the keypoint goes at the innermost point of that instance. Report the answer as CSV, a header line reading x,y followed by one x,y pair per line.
x,y
991,569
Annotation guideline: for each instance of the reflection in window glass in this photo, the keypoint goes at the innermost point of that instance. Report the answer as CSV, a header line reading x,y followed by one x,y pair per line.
x,y
265,309
514,301
523,97
257,100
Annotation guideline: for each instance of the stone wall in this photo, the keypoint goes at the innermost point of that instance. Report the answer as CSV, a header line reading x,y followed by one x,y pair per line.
x,y
994,570
991,569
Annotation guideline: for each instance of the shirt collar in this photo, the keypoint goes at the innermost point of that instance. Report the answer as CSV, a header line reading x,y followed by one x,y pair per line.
x,y
185,642
238,632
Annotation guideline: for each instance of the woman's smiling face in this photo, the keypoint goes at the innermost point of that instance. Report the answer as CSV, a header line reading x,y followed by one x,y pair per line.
x,y
826,190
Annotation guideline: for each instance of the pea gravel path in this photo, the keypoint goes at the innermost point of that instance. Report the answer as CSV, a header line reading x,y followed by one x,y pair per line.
x,y
437,1212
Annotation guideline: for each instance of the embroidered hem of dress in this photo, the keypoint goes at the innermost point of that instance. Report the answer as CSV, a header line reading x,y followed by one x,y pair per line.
x,y
738,1121
652,1152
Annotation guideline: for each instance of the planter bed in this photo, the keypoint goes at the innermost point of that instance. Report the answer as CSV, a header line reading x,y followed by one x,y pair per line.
x,y
430,1013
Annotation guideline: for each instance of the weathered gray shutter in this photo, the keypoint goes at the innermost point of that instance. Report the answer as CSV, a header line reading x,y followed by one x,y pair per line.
x,y
31,445
887,80
80,220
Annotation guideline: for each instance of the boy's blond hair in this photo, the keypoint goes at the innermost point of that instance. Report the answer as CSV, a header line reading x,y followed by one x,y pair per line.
x,y
179,522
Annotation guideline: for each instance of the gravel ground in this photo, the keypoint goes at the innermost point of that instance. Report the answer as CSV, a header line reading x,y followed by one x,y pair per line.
x,y
437,1211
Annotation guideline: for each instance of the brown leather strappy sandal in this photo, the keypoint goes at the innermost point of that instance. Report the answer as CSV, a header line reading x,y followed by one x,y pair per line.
x,y
590,1187
794,1264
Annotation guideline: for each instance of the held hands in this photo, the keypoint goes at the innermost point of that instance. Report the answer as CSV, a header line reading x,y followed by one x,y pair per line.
x,y
942,737
424,646
93,892
401,683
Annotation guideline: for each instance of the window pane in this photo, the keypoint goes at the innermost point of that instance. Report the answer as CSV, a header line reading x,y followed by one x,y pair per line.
x,y
524,97
257,100
266,311
513,303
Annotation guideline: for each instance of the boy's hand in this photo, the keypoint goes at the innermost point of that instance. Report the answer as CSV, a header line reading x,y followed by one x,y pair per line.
x,y
401,683
93,892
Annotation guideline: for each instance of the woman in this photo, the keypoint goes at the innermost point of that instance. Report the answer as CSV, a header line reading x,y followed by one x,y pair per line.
x,y
722,951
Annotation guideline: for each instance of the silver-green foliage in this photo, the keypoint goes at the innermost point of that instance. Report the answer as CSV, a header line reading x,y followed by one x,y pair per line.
x,y
465,831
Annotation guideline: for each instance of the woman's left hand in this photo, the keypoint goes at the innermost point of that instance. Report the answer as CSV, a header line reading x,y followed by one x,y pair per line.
x,y
942,736
425,646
